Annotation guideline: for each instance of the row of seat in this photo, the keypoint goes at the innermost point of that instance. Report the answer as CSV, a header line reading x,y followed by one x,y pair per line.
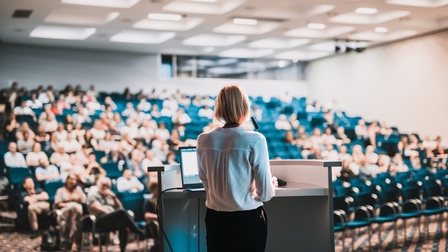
x,y
408,195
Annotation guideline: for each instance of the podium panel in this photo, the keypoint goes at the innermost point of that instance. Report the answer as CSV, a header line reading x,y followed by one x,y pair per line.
x,y
300,215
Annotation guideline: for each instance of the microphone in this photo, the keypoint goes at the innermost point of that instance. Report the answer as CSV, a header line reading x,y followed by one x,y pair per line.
x,y
254,123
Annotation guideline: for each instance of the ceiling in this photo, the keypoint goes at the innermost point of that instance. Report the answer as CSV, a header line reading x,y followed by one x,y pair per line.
x,y
282,29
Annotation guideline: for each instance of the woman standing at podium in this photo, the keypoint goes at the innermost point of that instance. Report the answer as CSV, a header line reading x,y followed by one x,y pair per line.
x,y
234,169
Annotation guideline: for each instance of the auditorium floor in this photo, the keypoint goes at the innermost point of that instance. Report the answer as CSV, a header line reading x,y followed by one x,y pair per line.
x,y
436,241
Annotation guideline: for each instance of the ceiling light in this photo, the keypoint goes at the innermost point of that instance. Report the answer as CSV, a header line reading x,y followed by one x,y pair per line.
x,y
317,26
245,21
161,16
103,3
364,10
62,32
204,1
381,29
141,37
295,60
281,63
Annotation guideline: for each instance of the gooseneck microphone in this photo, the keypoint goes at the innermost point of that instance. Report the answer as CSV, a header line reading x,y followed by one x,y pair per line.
x,y
254,123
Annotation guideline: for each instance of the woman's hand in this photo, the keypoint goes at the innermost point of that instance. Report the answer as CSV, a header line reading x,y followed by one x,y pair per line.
x,y
275,182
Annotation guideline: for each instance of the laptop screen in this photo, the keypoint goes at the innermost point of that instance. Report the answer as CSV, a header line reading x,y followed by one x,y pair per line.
x,y
189,167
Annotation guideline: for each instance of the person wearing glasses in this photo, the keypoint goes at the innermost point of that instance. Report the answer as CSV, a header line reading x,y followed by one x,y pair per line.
x,y
234,169
109,212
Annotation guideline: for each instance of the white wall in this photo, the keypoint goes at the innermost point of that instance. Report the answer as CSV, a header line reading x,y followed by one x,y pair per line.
x,y
404,84
113,71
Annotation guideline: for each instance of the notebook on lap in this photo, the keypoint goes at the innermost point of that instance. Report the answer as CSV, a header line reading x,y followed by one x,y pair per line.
x,y
189,169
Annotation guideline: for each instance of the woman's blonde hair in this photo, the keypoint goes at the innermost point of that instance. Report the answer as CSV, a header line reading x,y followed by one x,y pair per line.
x,y
232,104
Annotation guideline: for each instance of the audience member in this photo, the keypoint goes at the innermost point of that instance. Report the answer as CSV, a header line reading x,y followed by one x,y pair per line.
x,y
25,143
60,156
69,200
282,123
206,112
13,158
37,200
110,213
150,210
46,171
128,182
36,155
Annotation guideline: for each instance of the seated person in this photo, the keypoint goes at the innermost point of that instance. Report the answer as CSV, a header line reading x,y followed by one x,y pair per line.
x,y
46,172
69,199
129,183
13,158
93,169
33,158
109,212
150,210
60,156
37,203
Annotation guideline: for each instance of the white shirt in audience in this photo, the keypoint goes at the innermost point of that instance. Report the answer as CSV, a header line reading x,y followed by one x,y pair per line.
x,y
14,160
124,184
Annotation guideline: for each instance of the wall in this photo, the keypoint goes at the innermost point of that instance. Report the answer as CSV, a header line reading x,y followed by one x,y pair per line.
x,y
113,71
404,84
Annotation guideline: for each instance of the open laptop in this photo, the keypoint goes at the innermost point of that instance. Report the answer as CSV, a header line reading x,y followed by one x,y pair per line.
x,y
189,169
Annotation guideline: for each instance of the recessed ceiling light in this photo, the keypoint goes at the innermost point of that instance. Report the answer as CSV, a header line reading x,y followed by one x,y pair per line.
x,y
141,37
103,3
364,10
245,21
317,26
281,63
381,29
161,16
204,1
62,32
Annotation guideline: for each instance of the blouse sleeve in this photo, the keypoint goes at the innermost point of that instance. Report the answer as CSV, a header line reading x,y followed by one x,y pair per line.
x,y
262,171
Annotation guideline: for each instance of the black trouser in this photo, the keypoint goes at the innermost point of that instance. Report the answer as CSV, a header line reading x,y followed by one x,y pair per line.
x,y
118,220
236,231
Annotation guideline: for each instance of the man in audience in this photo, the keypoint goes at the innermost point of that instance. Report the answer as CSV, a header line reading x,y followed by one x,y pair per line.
x,y
60,156
110,213
13,158
23,109
46,172
37,203
129,183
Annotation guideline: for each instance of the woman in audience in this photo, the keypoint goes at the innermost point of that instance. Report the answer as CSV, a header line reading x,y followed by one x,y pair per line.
x,y
362,132
147,130
69,200
357,154
343,154
62,104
